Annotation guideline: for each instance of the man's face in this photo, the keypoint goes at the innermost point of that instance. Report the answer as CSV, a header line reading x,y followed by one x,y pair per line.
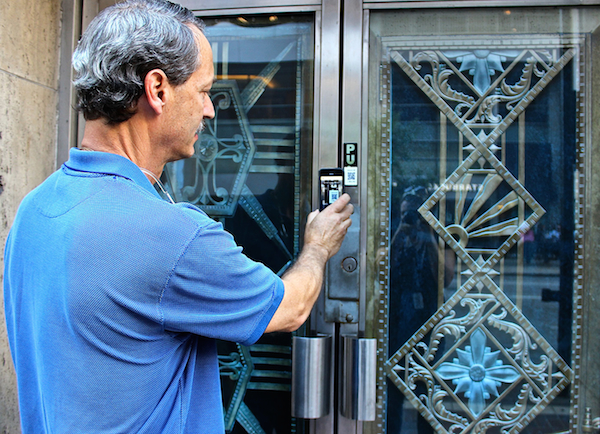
x,y
408,212
192,104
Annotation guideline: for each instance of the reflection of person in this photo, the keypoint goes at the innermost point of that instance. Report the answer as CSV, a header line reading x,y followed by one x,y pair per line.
x,y
114,297
414,287
413,266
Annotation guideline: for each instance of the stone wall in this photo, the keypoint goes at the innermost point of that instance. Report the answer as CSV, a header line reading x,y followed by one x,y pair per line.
x,y
29,61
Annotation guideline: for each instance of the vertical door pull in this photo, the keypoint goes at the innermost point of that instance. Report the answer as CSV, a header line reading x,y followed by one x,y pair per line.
x,y
359,371
311,376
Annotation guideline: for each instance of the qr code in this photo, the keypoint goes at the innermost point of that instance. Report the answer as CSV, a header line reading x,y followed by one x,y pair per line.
x,y
351,176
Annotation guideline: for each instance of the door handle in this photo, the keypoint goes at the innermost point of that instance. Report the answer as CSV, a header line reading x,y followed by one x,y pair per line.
x,y
359,370
311,376
590,425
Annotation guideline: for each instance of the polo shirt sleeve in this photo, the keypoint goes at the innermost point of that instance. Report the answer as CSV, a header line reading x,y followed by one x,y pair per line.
x,y
216,291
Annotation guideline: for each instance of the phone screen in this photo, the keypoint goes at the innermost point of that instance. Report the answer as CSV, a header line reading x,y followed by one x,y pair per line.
x,y
332,186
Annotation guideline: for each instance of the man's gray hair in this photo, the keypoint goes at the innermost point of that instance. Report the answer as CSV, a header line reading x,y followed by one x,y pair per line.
x,y
125,42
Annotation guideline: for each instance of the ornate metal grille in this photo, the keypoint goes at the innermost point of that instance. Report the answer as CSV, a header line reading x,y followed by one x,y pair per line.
x,y
478,364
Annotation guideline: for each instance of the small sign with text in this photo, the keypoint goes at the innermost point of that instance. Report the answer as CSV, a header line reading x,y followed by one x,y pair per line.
x,y
350,165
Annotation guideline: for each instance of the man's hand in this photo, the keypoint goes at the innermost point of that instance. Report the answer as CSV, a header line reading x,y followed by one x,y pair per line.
x,y
323,236
326,229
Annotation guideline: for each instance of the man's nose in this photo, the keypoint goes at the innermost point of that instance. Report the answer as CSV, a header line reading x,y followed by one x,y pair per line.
x,y
209,108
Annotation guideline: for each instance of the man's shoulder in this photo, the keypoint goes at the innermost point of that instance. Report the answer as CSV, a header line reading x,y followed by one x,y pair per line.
x,y
194,216
39,192
144,212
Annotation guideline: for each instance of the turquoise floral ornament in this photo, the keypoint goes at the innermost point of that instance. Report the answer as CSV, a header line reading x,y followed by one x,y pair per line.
x,y
477,372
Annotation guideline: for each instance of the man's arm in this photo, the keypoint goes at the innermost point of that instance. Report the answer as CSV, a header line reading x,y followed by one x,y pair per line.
x,y
323,236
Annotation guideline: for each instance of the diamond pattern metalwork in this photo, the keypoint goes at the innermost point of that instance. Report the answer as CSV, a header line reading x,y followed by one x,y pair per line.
x,y
541,374
478,362
481,218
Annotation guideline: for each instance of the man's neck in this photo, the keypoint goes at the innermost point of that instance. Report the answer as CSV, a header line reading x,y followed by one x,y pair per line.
x,y
126,139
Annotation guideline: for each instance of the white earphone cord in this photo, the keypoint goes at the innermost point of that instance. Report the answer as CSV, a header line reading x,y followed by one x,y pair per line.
x,y
160,184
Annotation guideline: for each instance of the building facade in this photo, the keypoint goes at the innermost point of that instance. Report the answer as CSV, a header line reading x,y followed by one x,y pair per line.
x,y
463,298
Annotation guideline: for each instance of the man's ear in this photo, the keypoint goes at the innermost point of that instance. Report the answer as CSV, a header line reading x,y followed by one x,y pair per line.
x,y
156,88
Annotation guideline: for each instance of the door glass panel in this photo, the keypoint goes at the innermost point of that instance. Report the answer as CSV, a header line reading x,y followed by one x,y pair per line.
x,y
477,139
251,171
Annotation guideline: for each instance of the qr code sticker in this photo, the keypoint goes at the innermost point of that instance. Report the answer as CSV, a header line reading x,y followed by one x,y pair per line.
x,y
351,176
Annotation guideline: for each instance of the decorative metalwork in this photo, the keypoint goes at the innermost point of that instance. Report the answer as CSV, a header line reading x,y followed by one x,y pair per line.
x,y
247,419
258,367
578,315
255,210
237,366
495,369
505,387
478,103
477,372
224,153
481,64
251,93
382,225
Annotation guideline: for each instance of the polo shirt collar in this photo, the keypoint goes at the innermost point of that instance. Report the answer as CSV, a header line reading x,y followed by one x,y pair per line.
x,y
108,164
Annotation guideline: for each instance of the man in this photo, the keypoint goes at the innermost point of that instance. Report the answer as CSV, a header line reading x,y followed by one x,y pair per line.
x,y
113,296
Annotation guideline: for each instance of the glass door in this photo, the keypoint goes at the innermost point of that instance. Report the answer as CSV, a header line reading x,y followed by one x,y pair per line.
x,y
479,130
251,171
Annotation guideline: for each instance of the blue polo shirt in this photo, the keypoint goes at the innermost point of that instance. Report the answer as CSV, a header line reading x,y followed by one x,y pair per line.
x,y
114,299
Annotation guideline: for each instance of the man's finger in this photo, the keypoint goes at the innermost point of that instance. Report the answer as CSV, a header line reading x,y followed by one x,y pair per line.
x,y
340,203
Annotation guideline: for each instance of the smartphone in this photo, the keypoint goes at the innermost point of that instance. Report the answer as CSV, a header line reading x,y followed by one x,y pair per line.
x,y
331,182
